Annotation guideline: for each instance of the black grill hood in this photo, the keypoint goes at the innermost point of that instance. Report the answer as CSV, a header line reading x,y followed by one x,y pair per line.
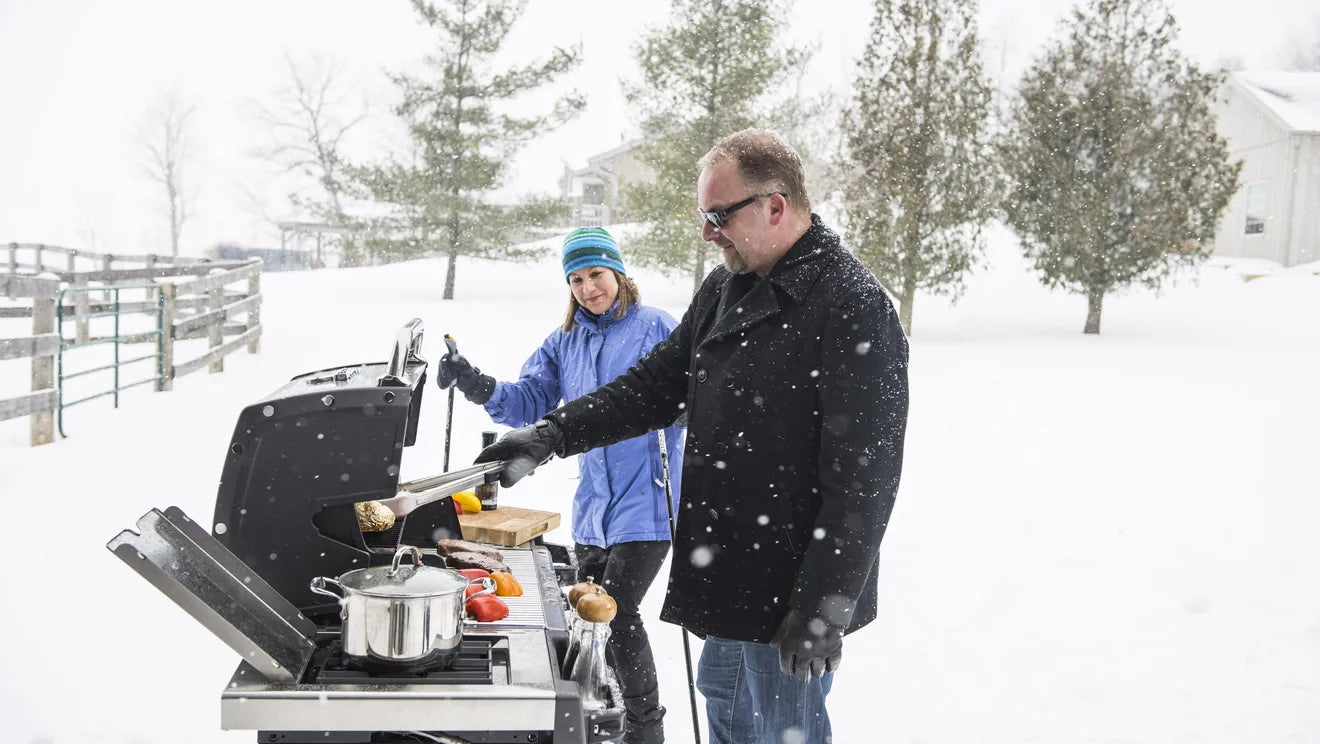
x,y
301,457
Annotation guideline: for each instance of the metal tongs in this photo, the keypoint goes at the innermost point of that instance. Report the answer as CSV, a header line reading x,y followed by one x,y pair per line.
x,y
414,494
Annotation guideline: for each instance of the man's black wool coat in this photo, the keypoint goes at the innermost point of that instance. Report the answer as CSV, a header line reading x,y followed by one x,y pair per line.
x,y
795,391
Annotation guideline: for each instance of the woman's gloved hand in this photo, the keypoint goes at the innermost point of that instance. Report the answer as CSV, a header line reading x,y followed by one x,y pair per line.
x,y
455,370
525,449
807,646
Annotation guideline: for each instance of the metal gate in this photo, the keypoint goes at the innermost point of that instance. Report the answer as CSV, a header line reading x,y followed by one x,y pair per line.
x,y
116,309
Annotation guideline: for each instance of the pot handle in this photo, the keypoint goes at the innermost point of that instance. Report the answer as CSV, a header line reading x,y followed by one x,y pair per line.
x,y
398,556
485,581
318,586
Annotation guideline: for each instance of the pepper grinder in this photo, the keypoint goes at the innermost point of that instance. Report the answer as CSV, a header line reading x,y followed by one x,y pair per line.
x,y
488,493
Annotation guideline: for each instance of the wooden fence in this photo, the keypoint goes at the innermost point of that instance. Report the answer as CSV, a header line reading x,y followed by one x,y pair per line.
x,y
35,258
41,347
212,309
194,303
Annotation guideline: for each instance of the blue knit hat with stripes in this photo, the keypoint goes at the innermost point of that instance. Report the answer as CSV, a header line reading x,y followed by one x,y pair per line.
x,y
591,246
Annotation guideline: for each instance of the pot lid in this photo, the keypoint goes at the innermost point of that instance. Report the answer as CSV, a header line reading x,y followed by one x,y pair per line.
x,y
398,580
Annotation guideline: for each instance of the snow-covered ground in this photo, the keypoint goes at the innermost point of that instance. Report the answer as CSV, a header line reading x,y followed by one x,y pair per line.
x,y
1097,539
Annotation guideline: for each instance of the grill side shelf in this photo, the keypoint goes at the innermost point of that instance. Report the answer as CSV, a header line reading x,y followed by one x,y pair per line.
x,y
200,575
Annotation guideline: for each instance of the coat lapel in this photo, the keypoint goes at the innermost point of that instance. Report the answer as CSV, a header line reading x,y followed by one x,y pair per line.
x,y
758,304
740,308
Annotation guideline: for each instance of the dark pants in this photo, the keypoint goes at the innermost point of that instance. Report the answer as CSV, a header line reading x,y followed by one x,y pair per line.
x,y
626,571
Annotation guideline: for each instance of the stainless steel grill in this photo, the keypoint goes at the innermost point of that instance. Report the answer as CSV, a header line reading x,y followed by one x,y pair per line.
x,y
278,523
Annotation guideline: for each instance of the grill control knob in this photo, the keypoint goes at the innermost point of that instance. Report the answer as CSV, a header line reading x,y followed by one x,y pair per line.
x,y
328,400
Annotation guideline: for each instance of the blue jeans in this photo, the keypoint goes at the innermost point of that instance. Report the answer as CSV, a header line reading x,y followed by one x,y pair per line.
x,y
750,701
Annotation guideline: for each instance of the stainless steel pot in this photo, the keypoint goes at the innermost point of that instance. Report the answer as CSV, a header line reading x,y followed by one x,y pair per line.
x,y
401,617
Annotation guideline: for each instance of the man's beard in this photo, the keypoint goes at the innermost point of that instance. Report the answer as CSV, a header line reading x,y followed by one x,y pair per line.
x,y
734,262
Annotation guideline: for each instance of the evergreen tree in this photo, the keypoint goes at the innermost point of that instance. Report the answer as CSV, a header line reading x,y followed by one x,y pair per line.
x,y
1118,175
921,174
463,142
703,76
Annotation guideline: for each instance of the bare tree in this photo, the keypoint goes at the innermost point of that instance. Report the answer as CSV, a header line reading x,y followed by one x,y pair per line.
x,y
167,151
1302,51
308,120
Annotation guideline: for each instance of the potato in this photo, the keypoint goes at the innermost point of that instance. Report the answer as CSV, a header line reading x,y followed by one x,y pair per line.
x,y
373,516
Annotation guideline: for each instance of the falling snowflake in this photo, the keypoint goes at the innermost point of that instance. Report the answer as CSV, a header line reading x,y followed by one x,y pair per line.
x,y
702,556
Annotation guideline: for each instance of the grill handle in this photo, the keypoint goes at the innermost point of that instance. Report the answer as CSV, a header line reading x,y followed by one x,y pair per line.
x,y
407,347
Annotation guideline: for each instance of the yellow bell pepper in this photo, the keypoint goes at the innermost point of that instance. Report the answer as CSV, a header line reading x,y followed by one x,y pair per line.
x,y
468,501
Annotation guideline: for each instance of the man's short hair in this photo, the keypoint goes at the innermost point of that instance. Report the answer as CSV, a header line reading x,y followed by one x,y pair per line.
x,y
766,163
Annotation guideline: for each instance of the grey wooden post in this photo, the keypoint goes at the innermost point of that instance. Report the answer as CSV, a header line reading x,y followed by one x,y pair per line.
x,y
216,330
73,259
106,265
254,314
13,258
40,268
168,296
43,367
80,310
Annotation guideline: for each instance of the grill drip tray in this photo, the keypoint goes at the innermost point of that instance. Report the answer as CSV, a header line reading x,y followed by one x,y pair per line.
x,y
480,661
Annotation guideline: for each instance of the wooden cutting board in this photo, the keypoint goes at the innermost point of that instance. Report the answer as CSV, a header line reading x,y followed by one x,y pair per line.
x,y
507,526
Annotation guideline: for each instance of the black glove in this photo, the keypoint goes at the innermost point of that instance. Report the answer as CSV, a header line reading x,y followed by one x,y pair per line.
x,y
807,646
525,449
455,370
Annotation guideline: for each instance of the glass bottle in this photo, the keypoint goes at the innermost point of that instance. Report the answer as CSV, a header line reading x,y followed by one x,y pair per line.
x,y
574,643
589,664
488,493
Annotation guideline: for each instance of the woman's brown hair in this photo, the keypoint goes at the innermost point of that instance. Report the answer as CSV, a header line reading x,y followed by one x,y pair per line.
x,y
628,296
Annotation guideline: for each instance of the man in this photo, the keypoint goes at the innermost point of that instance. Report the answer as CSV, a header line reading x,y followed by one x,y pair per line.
x,y
791,367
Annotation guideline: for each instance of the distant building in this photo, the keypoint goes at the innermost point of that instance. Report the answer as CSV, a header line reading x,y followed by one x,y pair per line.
x,y
273,259
595,190
1272,122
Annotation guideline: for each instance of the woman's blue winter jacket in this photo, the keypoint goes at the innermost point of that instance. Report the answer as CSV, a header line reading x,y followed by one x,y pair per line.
x,y
620,497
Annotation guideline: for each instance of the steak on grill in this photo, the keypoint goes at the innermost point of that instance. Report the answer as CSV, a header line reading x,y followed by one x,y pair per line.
x,y
445,547
464,559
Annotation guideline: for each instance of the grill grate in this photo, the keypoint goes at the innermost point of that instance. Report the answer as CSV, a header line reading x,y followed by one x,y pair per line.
x,y
526,611
473,665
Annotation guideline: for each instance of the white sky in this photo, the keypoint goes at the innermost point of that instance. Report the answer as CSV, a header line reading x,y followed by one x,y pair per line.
x,y
76,78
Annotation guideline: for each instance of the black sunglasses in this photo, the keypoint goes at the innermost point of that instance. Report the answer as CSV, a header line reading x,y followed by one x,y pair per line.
x,y
720,217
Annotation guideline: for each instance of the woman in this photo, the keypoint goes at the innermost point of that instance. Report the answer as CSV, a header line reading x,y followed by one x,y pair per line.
x,y
620,520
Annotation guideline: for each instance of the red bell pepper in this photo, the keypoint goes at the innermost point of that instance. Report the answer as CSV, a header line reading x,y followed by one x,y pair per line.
x,y
474,573
476,586
486,609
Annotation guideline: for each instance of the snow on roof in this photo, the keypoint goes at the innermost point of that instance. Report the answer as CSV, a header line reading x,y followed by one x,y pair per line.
x,y
1293,96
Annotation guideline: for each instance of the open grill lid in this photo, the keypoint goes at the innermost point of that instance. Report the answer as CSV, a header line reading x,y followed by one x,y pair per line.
x,y
302,456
